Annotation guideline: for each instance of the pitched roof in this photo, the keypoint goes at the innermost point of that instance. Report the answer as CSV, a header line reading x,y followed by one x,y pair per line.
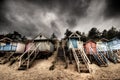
x,y
40,37
90,40
102,40
6,39
75,35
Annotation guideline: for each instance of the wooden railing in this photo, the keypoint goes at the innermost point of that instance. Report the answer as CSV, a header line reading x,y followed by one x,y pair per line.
x,y
85,59
28,58
76,59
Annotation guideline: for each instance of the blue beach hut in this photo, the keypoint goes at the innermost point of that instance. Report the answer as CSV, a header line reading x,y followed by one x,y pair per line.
x,y
114,47
6,44
114,44
73,40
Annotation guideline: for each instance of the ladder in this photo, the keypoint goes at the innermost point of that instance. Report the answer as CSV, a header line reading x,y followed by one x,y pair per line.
x,y
112,56
103,57
6,57
26,63
99,59
81,60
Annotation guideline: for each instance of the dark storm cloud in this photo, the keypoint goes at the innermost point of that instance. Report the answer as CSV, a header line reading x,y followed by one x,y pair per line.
x,y
112,8
74,8
3,20
31,17
39,15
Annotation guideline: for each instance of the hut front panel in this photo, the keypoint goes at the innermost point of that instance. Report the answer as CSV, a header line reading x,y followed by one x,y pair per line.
x,y
102,46
73,43
8,46
114,45
30,46
20,48
69,44
90,45
45,46
80,44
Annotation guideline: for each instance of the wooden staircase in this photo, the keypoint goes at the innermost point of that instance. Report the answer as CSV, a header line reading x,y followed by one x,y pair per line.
x,y
31,55
6,58
100,58
81,60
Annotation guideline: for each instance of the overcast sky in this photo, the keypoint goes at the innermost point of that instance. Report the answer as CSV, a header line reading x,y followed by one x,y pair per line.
x,y
31,17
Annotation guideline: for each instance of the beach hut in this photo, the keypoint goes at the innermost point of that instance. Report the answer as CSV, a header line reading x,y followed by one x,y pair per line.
x,y
102,46
8,48
75,47
40,46
114,48
91,51
114,44
90,44
45,44
8,45
73,40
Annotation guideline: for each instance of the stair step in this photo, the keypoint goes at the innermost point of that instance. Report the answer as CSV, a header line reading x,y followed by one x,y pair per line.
x,y
82,66
3,61
80,59
81,62
84,70
79,56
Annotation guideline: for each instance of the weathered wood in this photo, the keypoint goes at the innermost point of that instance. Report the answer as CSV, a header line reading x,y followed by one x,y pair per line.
x,y
81,60
6,58
25,64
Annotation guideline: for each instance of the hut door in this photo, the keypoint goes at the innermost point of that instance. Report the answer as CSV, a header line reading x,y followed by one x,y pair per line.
x,y
74,43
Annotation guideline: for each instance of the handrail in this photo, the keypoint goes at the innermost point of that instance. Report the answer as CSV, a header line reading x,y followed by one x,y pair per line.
x,y
85,54
28,56
92,52
102,55
84,59
20,58
27,50
76,59
33,50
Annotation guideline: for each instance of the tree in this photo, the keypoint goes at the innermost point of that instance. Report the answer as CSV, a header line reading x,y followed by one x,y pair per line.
x,y
53,36
94,33
78,32
68,32
118,34
83,37
104,34
112,33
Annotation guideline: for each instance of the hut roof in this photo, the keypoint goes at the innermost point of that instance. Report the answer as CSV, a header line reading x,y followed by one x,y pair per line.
x,y
6,39
90,40
74,35
115,38
41,37
102,40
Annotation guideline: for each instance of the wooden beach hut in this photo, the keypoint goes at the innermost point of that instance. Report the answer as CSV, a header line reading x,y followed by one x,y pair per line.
x,y
8,48
39,46
114,48
91,51
75,47
90,44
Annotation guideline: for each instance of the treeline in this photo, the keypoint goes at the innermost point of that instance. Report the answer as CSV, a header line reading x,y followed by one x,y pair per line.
x,y
15,36
95,34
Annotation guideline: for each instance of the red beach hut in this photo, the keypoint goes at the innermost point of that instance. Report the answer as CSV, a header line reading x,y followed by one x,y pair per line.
x,y
88,45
